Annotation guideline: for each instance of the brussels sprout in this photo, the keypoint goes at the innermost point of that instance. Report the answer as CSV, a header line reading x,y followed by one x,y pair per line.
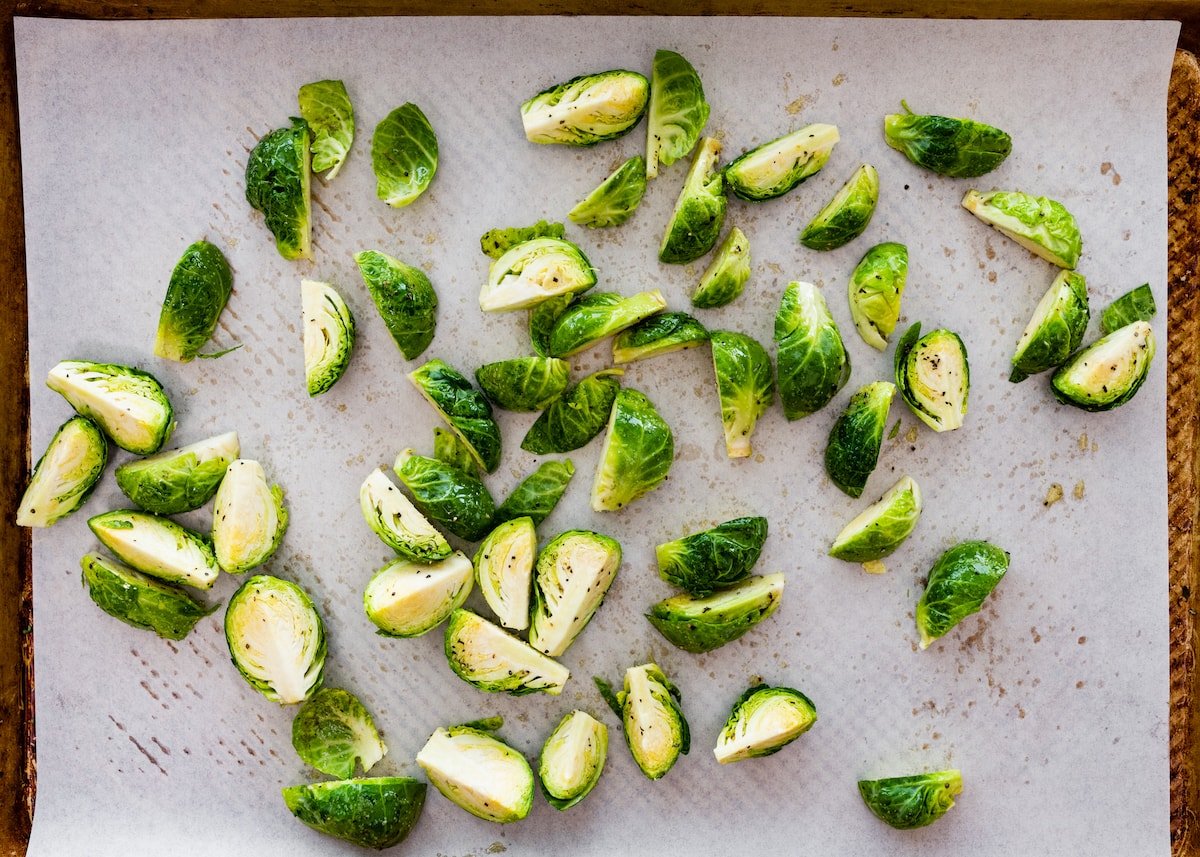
x,y
534,271
958,584
542,319
524,383
325,106
655,728
637,453
615,199
812,362
485,656
572,577
479,773
139,600
158,547
703,624
677,114
662,333
249,518
504,571
65,475
876,287
449,448
713,559
577,416
572,759
496,242
1136,305
959,148
373,812
455,499
277,184
1056,328
538,493
404,155
196,294
763,721
933,376
745,387
855,439
586,110
881,527
725,277
405,299
909,802
276,639
129,405
1109,372
333,732
397,522
598,316
700,210
328,335
777,167
1042,226
464,409
846,216
407,599
179,480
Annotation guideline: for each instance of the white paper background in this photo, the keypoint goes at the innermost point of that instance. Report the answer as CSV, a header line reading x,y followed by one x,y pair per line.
x,y
1053,702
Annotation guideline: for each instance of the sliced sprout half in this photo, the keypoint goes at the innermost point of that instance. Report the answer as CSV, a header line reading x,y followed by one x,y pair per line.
x,y
482,654
373,812
197,292
572,759
278,184
179,480
325,106
453,498
960,148
404,155
504,571
638,450
763,721
157,546
333,732
139,600
699,211
1109,372
959,582
523,383
854,441
655,729
577,416
586,110
875,290
65,475
659,334
405,299
573,574
249,518
616,198
774,168
1056,328
497,241
1041,225
933,376
725,277
702,624
715,558
533,271
678,111
811,364
914,801
396,521
479,773
598,316
881,527
846,216
328,335
745,387
408,599
538,493
465,410
128,404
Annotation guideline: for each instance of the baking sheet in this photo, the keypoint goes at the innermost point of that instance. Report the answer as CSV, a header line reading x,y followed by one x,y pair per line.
x,y
1053,702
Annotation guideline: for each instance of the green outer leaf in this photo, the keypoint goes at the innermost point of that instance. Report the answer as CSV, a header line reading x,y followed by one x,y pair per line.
x,y
1109,372
598,316
328,335
485,724
577,416
586,110
199,288
764,695
333,732
404,155
854,441
745,387
940,406
375,812
615,199
523,383
593,762
277,184
725,277
179,480
1135,305
1056,328
699,212
98,391
449,448
542,319
909,802
700,625
778,166
875,290
444,494
1041,225
846,216
608,694
68,472
959,148
958,584
139,600
190,559
405,299
538,493
662,333
496,242
463,408
638,451
325,106
677,113
882,527
812,363
713,559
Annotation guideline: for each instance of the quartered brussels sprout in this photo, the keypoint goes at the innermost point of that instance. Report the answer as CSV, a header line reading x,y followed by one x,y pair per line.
x,y
876,287
655,728
197,292
713,559
615,199
637,453
276,639
745,387
524,383
139,600
449,496
774,168
959,148
812,363
157,546
677,114
328,335
449,448
958,584
333,732
496,242
577,416
404,155
407,599
659,334
598,316
855,439
763,721
483,655
572,576
179,480
534,271
372,812
249,518
700,210
396,521
278,183
1109,372
909,802
1056,328
725,277
538,493
1136,305
1042,226
405,299
933,376
586,110
504,571
129,405
572,759
846,216
703,624
479,773
881,527
325,106
65,475
464,409
542,319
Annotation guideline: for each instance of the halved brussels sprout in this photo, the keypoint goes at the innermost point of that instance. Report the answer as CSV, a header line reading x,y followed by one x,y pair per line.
x,y
703,624
700,210
496,242
812,362
615,199
534,271
846,216
637,453
655,728
328,335
763,721
725,277
524,383
276,639
855,439
449,448
198,290
1135,305
483,655
538,493
451,497
774,168
179,480
65,475
504,571
404,155
933,376
542,319
958,584
1109,372
572,577
277,184
158,547
1056,328
586,110
881,527
876,287
1042,226
572,759
959,148
464,409
396,521
333,732
249,518
909,802
129,405
598,316
745,387
678,111
407,599
373,812
577,416
139,600
325,106
659,334
713,559
405,299
479,773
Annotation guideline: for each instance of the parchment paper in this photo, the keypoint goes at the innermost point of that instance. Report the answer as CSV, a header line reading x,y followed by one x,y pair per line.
x,y
1053,702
